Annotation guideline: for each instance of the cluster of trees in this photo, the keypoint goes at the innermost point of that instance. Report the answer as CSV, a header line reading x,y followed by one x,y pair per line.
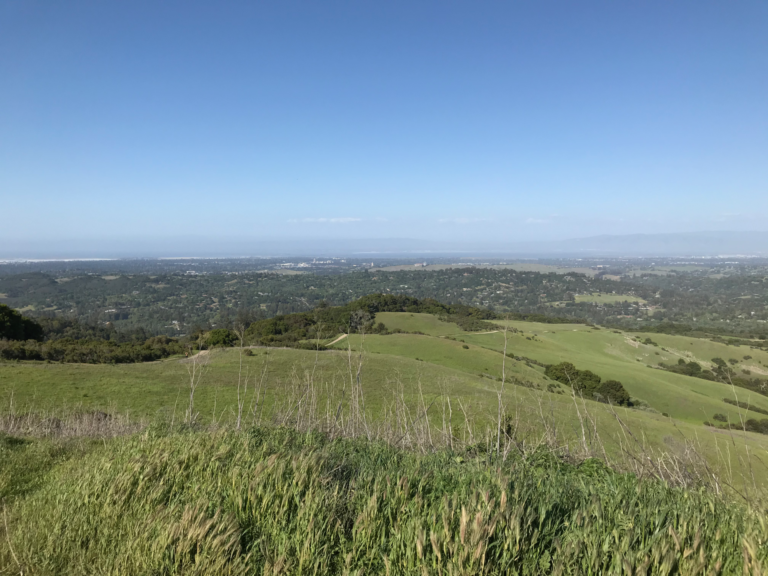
x,y
66,340
731,302
754,425
720,372
60,339
750,425
689,369
14,326
91,351
176,304
744,406
589,384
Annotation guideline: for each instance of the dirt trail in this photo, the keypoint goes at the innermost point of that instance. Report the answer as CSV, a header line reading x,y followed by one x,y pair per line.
x,y
195,355
339,339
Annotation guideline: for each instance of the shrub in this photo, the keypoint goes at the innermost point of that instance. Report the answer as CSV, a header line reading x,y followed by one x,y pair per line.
x,y
221,337
614,391
588,383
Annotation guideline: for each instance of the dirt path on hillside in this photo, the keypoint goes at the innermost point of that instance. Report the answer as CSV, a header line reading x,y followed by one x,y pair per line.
x,y
339,339
197,354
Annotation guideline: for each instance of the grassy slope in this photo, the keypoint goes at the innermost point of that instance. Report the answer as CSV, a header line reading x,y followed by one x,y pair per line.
x,y
427,323
474,360
146,388
617,356
689,401
390,364
611,355
273,501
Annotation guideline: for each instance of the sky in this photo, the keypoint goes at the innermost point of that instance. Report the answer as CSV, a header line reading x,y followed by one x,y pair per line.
x,y
463,121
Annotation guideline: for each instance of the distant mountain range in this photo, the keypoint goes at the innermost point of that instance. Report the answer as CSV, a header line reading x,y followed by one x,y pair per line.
x,y
681,244
636,245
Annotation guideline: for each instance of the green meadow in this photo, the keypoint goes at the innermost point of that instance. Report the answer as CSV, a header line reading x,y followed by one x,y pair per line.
x,y
378,457
427,370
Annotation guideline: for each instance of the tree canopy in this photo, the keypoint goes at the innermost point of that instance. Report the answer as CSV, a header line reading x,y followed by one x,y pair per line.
x,y
589,384
14,326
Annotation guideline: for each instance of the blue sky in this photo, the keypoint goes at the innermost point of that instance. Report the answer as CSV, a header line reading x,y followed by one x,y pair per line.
x,y
493,121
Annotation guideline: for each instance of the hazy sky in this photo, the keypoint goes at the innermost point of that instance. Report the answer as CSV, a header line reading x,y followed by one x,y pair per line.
x,y
463,120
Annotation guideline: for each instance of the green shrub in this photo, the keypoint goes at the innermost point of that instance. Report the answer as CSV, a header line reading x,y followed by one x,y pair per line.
x,y
221,337
588,383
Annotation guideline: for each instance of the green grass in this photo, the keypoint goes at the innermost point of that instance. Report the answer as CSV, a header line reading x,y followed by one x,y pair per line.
x,y
431,367
426,323
620,357
278,502
207,499
157,387
474,359
689,401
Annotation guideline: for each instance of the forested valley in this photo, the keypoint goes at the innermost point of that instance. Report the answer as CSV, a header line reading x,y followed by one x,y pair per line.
x,y
729,302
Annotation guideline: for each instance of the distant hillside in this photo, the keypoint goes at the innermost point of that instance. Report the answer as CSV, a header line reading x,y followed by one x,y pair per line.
x,y
679,244
683,244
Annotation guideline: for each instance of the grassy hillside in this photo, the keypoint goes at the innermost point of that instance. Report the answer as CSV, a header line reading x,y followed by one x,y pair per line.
x,y
621,357
421,372
315,480
277,502
611,355
417,322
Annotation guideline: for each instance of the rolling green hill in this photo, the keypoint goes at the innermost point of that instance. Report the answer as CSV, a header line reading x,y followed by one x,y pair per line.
x,y
424,371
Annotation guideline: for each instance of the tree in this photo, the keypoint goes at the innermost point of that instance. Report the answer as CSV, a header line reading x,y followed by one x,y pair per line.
x,y
221,337
589,384
14,326
614,392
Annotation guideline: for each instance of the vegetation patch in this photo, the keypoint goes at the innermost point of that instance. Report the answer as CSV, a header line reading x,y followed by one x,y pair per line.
x,y
745,406
296,503
589,384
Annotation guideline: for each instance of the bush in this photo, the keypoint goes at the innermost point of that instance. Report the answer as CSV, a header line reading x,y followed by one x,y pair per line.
x,y
91,351
614,391
589,384
221,337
